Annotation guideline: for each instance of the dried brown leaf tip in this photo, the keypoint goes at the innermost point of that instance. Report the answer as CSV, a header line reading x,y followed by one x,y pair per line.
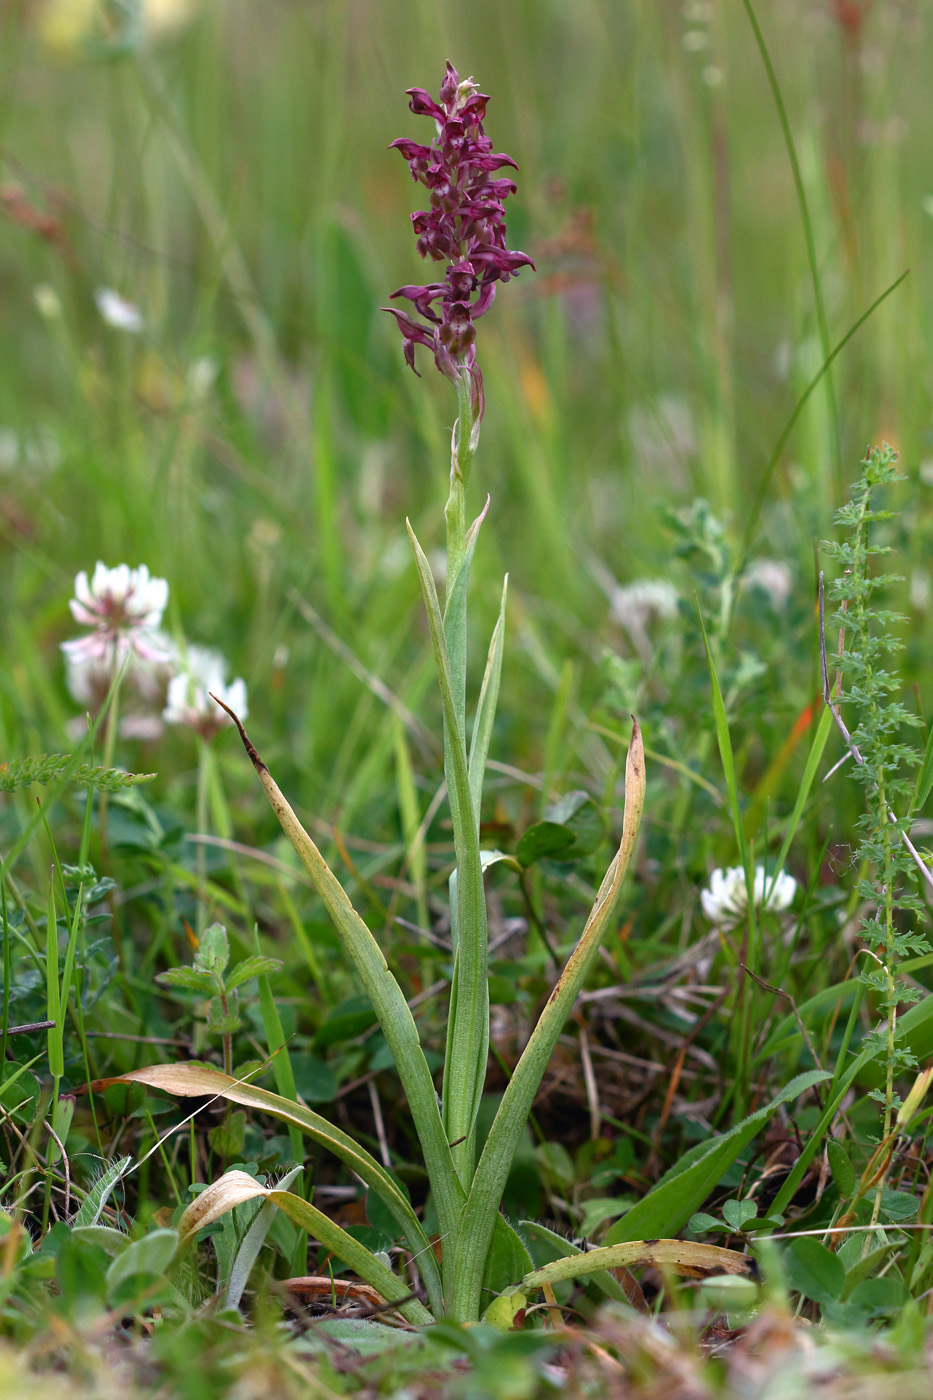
x,y
247,744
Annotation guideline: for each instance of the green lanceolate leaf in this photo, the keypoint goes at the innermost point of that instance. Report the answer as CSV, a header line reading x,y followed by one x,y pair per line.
x,y
468,1028
389,1004
682,1190
479,1215
486,708
560,1248
680,1255
92,1207
455,618
252,1243
199,1081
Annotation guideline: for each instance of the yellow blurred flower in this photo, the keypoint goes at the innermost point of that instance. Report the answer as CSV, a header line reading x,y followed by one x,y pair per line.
x,y
66,26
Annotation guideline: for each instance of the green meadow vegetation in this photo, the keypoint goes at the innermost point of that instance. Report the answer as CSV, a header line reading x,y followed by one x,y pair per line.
x,y
535,995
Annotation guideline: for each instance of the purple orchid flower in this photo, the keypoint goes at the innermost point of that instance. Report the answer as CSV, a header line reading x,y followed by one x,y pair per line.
x,y
465,226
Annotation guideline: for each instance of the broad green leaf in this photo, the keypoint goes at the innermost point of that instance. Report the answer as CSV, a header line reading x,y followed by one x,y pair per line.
x,y
143,1259
841,1168
503,1311
580,815
899,1205
737,1214
213,951
814,1270
682,1190
508,1259
543,841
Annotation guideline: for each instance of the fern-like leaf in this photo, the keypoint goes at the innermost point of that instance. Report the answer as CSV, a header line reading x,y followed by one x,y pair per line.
x,y
48,767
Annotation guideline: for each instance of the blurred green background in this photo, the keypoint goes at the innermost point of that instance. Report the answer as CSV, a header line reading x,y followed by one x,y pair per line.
x,y
223,166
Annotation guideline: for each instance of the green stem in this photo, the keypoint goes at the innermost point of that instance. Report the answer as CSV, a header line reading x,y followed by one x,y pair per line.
x,y
204,760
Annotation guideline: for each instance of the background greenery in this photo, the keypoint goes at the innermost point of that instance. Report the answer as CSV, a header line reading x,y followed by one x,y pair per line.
x,y
261,442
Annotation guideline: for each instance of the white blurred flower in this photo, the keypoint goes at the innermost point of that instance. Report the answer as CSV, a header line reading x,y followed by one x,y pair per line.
x,y
726,900
636,604
124,607
773,578
119,313
203,670
89,678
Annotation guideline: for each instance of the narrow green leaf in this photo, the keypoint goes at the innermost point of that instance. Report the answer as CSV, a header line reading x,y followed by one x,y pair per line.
x,y
352,1253
252,1243
455,618
199,1081
841,1168
53,1009
559,1248
724,740
395,1018
282,1070
806,782
479,1214
924,776
486,707
468,1024
92,1207
679,1254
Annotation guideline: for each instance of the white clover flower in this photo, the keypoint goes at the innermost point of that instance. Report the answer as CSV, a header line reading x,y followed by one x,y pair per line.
x,y
89,678
124,607
773,578
189,702
119,313
635,604
726,900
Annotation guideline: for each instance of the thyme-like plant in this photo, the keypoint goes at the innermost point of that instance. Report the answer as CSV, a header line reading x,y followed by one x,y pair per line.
x,y
882,762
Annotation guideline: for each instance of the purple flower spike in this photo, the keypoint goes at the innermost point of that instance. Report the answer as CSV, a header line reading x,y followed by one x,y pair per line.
x,y
465,226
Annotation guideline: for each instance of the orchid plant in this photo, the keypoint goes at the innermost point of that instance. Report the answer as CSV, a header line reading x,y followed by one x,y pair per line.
x,y
480,1264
